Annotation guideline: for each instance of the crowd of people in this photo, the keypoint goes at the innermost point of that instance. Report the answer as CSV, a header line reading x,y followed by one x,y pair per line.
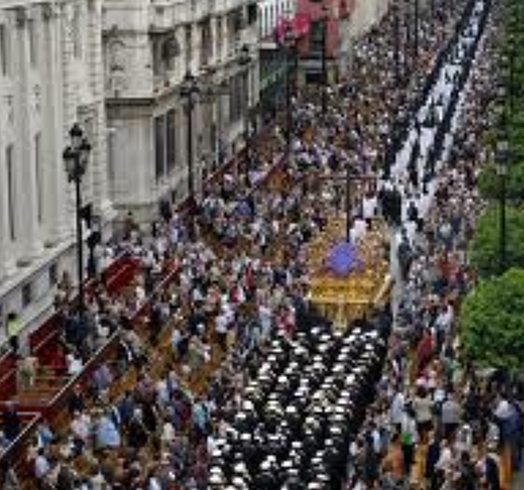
x,y
240,333
304,401
438,421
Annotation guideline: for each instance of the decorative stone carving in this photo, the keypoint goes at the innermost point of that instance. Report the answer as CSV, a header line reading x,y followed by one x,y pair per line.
x,y
72,16
170,49
48,12
117,56
116,66
87,117
21,17
68,17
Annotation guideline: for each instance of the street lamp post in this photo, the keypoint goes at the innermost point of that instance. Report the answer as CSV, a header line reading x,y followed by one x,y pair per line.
x,y
189,89
94,238
76,159
244,60
348,203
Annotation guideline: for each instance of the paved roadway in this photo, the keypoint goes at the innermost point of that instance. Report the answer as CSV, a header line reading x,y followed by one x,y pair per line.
x,y
441,91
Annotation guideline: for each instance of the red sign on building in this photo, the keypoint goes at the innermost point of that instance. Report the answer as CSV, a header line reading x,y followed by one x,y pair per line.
x,y
300,26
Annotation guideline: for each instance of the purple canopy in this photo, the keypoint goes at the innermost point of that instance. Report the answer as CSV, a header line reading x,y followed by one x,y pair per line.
x,y
343,259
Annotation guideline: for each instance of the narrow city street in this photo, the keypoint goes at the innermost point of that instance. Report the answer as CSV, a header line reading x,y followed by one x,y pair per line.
x,y
290,308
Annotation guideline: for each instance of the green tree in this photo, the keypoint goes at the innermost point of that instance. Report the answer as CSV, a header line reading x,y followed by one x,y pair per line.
x,y
492,322
484,249
489,183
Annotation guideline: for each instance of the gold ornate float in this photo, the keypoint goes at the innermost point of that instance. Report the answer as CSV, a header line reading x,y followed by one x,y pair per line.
x,y
342,299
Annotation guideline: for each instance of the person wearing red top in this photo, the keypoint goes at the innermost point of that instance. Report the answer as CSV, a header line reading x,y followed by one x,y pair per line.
x,y
425,350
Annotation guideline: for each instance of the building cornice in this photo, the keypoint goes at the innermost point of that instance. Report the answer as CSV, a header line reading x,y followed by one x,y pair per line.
x,y
127,101
130,108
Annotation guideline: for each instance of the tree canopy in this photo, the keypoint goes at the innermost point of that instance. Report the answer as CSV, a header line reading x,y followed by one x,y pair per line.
x,y
485,246
492,322
490,184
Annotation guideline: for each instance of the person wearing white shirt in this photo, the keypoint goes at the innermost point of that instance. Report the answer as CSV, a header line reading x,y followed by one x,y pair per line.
x,y
74,365
369,207
265,317
397,409
443,324
81,427
98,481
424,203
411,231
358,230
423,406
140,294
168,435
446,459
503,410
451,414
154,484
221,328
42,465
464,440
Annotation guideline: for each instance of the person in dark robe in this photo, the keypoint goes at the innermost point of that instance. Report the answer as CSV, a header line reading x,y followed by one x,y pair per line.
x,y
405,257
138,435
11,423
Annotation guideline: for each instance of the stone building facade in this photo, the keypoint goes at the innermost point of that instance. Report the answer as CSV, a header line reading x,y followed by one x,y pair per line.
x,y
149,47
345,21
366,14
273,59
271,12
116,68
50,77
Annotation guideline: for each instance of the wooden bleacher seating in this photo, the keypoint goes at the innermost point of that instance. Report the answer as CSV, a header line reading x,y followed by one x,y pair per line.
x,y
7,376
43,341
57,399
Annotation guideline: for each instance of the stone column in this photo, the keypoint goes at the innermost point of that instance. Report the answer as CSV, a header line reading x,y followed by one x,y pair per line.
x,y
196,45
4,231
55,185
219,40
226,48
215,55
99,143
25,185
69,104
7,112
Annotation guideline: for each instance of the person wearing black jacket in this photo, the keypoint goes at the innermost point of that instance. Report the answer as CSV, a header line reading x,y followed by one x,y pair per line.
x,y
138,434
11,422
432,457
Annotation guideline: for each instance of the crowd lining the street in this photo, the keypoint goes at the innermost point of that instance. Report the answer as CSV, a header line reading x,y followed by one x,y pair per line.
x,y
240,292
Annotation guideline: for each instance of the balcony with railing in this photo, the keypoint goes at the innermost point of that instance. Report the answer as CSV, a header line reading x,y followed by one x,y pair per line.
x,y
164,14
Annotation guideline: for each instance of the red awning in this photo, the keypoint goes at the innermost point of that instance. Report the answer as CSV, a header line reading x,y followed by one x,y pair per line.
x,y
300,26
